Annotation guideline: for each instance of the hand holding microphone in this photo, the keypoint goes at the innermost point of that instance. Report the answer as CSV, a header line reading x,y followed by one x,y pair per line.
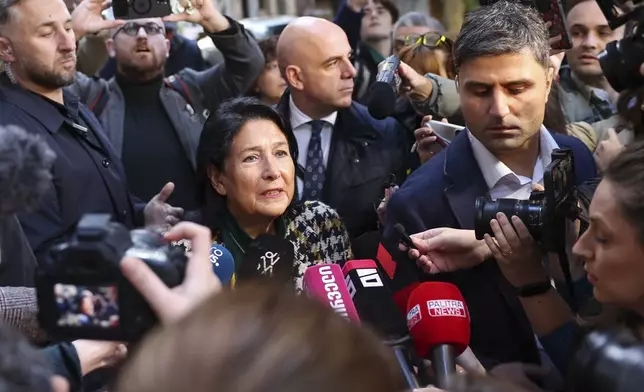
x,y
427,142
445,250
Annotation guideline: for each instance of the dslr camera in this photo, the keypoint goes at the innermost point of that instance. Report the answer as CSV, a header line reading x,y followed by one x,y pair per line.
x,y
81,291
621,60
136,9
545,212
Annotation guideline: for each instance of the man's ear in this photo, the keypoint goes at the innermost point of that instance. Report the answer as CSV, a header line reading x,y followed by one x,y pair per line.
x,y
216,180
109,45
6,51
550,75
458,85
167,48
293,76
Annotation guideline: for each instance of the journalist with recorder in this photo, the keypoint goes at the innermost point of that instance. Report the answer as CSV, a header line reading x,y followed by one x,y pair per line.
x,y
246,160
504,77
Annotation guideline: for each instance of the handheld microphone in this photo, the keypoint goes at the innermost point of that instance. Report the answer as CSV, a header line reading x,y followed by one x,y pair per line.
x,y
325,283
376,307
268,256
25,170
223,264
439,322
381,97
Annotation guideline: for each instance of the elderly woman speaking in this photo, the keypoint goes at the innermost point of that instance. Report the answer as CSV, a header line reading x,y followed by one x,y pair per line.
x,y
246,164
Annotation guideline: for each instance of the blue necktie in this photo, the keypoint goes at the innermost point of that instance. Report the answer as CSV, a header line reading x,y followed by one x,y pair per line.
x,y
314,175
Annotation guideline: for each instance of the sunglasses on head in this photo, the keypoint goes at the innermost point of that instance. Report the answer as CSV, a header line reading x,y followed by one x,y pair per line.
x,y
433,40
132,28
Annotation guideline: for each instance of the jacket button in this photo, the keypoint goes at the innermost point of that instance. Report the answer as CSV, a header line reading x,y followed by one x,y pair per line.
x,y
124,213
365,144
106,163
356,160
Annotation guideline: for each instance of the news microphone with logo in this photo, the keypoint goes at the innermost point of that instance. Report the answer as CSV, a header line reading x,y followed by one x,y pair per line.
x,y
223,264
377,308
439,323
325,283
268,256
25,170
381,96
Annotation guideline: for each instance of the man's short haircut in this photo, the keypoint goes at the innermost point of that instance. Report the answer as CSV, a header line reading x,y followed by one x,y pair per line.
x,y
502,28
390,7
5,10
419,19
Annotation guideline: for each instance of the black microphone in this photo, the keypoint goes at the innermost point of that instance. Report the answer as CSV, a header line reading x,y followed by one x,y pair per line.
x,y
268,256
25,170
382,94
376,307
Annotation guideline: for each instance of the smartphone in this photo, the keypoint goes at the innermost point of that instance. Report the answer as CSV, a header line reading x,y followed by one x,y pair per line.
x,y
445,132
550,11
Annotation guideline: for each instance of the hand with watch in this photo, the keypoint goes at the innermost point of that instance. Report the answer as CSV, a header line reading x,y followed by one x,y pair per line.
x,y
518,255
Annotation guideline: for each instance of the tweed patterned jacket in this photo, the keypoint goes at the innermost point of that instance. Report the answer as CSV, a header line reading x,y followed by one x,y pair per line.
x,y
318,236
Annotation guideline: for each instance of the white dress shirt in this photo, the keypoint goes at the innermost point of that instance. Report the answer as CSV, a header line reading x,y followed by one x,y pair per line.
x,y
302,131
503,182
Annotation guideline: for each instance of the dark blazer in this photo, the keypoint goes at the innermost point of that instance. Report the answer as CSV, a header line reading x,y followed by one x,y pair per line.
x,y
69,197
364,153
441,193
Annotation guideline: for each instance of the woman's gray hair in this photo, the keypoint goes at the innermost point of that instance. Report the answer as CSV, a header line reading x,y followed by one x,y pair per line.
x,y
418,19
502,28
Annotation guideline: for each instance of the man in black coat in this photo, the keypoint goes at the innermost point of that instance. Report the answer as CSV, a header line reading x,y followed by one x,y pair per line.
x,y
346,157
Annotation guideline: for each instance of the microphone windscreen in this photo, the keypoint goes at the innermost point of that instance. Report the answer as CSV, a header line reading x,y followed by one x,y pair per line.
x,y
223,263
325,283
373,300
268,256
401,297
381,100
437,315
25,170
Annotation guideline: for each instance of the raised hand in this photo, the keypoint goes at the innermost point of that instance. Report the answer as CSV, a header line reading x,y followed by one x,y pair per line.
x,y
159,213
202,12
87,18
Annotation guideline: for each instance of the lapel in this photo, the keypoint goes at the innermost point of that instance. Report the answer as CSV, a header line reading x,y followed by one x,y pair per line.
x,y
113,116
465,181
187,126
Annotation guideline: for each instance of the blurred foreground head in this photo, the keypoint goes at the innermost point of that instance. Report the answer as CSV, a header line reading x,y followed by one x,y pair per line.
x,y
259,338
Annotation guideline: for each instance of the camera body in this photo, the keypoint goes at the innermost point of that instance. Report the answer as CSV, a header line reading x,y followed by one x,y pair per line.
x,y
81,291
621,60
136,9
544,213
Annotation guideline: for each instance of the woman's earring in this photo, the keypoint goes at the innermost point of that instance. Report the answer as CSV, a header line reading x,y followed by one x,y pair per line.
x,y
9,73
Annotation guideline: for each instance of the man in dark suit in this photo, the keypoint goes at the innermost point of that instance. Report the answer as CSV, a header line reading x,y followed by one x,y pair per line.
x,y
504,74
346,156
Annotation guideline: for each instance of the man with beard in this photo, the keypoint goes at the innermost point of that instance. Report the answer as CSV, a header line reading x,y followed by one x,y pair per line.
x,y
37,46
154,123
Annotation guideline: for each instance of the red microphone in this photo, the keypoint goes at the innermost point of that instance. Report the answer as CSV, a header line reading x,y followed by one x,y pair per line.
x,y
439,322
325,283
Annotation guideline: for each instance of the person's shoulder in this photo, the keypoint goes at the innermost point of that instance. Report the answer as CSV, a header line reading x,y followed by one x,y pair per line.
x,y
315,211
568,141
362,113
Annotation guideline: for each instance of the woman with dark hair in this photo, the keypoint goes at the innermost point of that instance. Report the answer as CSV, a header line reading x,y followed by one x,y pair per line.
x,y
246,163
269,86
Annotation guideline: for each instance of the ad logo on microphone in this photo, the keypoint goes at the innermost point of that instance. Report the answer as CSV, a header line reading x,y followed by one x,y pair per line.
x,y
215,254
446,308
268,262
413,317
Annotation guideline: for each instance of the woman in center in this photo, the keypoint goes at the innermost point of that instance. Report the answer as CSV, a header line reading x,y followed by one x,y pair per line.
x,y
246,166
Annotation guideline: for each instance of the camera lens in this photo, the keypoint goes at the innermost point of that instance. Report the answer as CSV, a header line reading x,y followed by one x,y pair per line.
x,y
531,213
142,7
621,61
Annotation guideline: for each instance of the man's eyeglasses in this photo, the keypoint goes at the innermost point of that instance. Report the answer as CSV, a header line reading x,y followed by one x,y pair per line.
x,y
132,29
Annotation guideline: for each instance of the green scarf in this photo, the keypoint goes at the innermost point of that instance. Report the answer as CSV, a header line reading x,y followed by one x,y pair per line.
x,y
236,240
